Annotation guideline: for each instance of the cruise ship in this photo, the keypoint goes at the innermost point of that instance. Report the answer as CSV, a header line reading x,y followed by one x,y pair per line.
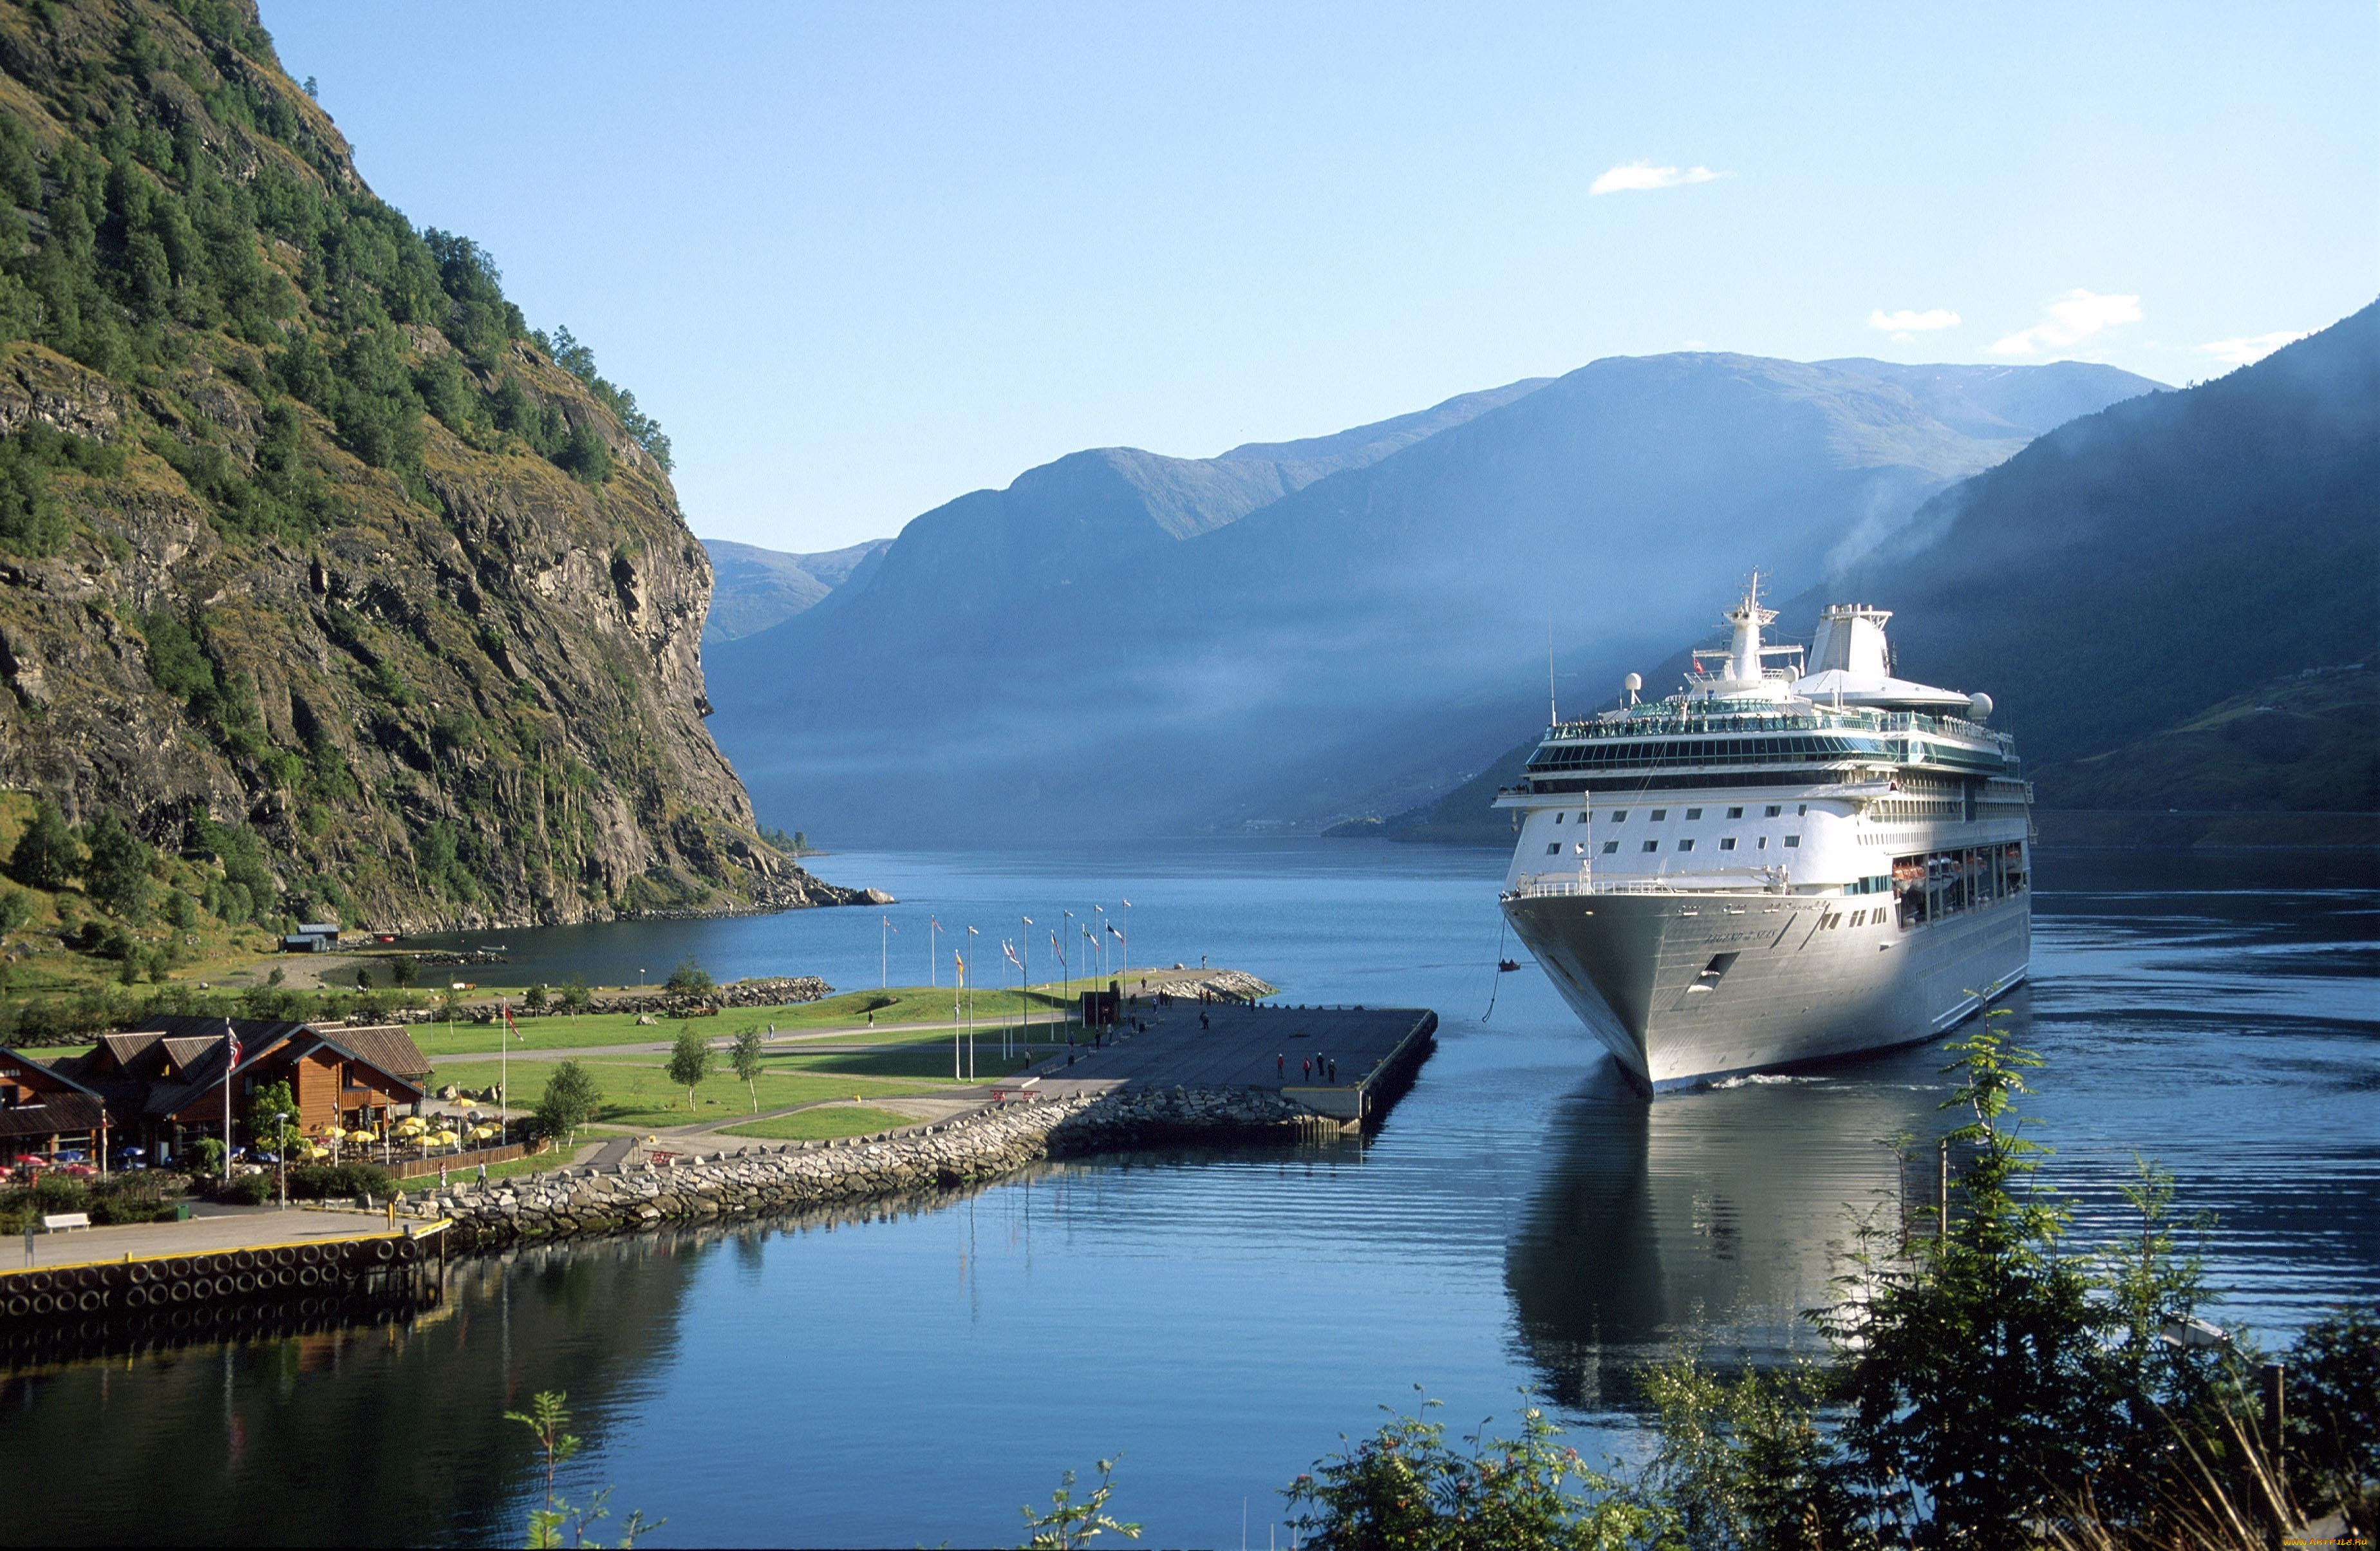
x,y
1796,857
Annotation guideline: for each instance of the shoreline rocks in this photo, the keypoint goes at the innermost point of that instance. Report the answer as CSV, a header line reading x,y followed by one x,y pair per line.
x,y
583,1200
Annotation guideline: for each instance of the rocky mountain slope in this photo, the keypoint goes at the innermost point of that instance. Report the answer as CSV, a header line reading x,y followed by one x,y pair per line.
x,y
311,550
1122,641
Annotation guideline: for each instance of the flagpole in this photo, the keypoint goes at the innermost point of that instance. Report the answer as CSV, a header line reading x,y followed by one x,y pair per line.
x,y
956,1076
1123,941
231,1058
968,973
503,1058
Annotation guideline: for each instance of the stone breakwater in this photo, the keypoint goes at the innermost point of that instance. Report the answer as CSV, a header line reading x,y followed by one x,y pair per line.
x,y
570,1202
778,991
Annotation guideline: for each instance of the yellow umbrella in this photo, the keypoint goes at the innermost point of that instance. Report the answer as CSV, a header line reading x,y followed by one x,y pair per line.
x,y
318,1152
361,1136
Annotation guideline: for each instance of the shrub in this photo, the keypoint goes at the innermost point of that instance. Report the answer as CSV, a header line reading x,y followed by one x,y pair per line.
x,y
250,1190
46,855
60,1193
339,1181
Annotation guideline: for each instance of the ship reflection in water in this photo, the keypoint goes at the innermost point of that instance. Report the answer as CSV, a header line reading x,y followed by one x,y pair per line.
x,y
1719,1213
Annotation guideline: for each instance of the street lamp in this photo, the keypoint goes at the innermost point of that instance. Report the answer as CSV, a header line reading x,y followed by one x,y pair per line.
x,y
281,1153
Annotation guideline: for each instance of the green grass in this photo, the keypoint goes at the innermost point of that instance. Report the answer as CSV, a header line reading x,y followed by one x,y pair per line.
x,y
904,1005
640,1093
931,1061
553,1158
813,1125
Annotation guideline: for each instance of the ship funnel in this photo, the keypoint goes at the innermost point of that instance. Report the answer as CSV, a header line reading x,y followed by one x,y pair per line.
x,y
1851,640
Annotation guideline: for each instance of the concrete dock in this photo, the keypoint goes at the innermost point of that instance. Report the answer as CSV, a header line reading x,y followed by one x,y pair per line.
x,y
1347,1063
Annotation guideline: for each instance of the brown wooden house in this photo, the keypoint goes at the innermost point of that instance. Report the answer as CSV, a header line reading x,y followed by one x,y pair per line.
x,y
45,1112
163,1086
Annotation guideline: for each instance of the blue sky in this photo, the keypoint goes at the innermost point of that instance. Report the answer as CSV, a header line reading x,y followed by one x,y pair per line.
x,y
859,258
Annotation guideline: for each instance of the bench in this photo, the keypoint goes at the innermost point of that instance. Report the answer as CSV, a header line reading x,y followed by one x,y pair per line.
x,y
58,1222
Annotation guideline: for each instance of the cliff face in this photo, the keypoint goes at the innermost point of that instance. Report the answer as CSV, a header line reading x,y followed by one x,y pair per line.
x,y
303,532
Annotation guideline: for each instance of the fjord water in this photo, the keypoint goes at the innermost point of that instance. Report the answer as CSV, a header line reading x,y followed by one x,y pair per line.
x,y
910,1373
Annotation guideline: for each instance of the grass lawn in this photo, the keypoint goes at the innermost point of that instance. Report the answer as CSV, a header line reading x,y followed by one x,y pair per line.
x,y
553,1158
813,1125
640,1093
902,1005
931,1061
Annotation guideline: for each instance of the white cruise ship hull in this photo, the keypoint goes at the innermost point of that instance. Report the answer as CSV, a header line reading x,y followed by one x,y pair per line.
x,y
1637,969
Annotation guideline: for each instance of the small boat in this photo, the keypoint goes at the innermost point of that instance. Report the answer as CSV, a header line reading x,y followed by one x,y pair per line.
x,y
1506,966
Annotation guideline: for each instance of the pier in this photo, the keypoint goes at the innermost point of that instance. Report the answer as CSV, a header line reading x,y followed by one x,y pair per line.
x,y
1346,1063
191,1276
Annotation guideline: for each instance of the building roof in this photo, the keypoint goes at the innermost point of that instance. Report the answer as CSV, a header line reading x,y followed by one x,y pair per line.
x,y
386,1045
57,1112
163,1069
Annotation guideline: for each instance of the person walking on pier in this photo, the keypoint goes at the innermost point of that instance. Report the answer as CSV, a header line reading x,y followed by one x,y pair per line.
x,y
1279,1067
1304,1069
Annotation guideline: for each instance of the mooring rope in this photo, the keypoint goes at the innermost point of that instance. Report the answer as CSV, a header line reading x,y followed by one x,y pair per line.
x,y
1497,986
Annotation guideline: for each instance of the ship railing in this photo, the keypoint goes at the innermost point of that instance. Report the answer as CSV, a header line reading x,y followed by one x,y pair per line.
x,y
1552,885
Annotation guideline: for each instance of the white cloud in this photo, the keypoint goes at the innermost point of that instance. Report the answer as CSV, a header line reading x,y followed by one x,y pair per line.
x,y
2246,352
2074,317
1635,176
1908,321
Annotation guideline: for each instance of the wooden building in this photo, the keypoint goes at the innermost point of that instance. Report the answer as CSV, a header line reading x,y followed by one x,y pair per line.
x,y
162,1085
44,1112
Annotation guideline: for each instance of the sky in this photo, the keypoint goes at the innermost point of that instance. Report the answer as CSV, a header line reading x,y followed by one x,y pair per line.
x,y
860,259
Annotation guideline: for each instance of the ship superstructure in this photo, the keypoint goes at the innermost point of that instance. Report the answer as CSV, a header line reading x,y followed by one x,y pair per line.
x,y
1796,856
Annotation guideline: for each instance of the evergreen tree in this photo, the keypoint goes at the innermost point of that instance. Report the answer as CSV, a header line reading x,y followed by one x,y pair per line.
x,y
46,855
117,874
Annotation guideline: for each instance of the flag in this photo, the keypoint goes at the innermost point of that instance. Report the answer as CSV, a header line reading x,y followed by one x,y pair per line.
x,y
1028,920
1010,948
509,1025
891,928
1113,933
233,1040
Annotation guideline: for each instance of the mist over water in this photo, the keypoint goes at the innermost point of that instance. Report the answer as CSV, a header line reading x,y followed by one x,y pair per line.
x,y
913,1372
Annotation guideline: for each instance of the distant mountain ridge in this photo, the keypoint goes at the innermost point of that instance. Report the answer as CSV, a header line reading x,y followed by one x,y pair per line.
x,y
2139,590
754,588
1124,641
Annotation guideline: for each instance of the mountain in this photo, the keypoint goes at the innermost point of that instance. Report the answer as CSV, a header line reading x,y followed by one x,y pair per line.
x,y
2149,593
1121,641
320,571
754,588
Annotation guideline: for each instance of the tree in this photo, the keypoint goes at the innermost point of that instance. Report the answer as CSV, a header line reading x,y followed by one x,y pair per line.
x,y
1069,1524
117,873
46,855
16,908
402,971
263,1130
745,1056
549,1419
689,1062
575,997
570,1100
535,998
363,979
690,980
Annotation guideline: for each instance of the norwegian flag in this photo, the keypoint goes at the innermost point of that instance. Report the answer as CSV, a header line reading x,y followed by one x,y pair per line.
x,y
512,1027
891,928
231,1039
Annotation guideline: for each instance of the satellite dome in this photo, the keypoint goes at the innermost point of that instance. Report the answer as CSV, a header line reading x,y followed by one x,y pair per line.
x,y
1979,706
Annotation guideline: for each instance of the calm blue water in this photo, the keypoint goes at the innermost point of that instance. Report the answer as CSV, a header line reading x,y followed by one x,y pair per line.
x,y
1523,1219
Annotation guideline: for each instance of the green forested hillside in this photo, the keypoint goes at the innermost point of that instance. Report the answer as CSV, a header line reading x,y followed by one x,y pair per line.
x,y
321,572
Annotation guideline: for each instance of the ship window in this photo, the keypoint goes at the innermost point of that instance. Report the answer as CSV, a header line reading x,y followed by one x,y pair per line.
x,y
1618,814
1685,846
1735,813
1581,819
1609,846
1728,845
1858,917
1774,810
1792,840
1652,845
1764,842
1553,848
1694,813
1560,816
1659,813
1803,809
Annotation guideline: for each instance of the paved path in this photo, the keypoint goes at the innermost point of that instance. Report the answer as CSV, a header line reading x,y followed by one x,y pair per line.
x,y
1267,1047
227,1230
